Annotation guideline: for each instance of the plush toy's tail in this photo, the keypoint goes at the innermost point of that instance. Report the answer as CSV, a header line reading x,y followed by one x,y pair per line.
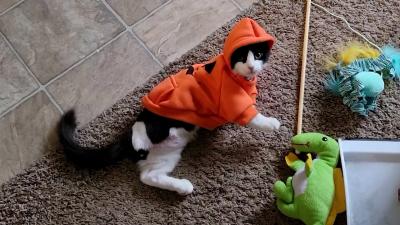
x,y
394,55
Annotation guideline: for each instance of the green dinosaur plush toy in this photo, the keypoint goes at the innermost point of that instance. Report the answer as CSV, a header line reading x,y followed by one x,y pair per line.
x,y
315,194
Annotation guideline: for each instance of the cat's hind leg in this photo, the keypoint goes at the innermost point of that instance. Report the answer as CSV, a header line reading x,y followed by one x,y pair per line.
x,y
162,159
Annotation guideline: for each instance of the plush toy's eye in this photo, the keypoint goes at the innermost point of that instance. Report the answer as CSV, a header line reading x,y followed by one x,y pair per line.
x,y
258,55
324,138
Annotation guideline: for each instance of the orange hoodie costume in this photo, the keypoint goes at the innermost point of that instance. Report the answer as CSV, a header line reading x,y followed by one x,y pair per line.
x,y
209,100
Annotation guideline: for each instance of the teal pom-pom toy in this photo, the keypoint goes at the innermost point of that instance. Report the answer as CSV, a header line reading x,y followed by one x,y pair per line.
x,y
359,73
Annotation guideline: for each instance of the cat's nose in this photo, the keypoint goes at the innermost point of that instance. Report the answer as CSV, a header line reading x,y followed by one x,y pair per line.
x,y
251,68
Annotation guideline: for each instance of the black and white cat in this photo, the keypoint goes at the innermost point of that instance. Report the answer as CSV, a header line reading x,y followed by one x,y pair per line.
x,y
156,141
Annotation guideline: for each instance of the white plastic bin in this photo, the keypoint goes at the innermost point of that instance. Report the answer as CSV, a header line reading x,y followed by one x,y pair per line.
x,y
371,170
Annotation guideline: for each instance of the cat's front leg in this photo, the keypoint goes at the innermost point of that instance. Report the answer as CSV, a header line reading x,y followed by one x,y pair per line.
x,y
264,123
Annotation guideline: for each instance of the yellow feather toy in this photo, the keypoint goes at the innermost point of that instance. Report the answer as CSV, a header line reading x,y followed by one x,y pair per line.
x,y
350,52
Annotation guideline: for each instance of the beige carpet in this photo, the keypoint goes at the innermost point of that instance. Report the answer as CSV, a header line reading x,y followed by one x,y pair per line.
x,y
233,169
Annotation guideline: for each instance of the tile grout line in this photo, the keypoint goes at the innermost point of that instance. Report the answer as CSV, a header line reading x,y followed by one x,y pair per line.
x,y
129,29
151,13
42,87
52,100
141,42
147,49
80,61
26,67
11,7
237,5
22,100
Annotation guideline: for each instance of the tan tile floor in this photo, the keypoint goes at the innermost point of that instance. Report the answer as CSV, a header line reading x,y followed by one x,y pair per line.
x,y
6,4
57,54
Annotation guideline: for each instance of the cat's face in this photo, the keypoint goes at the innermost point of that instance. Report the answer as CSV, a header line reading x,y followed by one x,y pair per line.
x,y
249,60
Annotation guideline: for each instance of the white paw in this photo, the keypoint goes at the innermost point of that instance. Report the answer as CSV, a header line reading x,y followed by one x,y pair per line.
x,y
272,123
263,123
184,187
140,140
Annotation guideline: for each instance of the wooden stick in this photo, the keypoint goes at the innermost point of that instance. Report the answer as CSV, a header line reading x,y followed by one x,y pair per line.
x,y
303,68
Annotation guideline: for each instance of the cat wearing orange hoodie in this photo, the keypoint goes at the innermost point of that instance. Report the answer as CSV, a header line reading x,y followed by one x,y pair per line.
x,y
207,96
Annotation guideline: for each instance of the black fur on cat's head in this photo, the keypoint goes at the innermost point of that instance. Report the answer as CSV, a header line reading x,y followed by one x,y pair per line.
x,y
250,59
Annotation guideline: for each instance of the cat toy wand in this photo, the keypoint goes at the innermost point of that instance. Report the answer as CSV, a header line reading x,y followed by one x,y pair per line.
x,y
303,68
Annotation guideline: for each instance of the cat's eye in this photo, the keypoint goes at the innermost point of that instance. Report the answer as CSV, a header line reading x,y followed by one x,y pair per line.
x,y
241,59
258,55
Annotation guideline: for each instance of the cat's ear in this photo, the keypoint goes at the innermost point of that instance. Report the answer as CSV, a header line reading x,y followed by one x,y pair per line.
x,y
239,55
265,49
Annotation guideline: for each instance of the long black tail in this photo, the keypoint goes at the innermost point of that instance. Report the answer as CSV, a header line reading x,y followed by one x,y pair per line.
x,y
91,157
